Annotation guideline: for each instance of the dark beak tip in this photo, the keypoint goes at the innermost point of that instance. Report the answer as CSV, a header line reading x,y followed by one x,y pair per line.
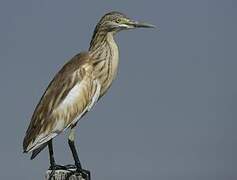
x,y
144,25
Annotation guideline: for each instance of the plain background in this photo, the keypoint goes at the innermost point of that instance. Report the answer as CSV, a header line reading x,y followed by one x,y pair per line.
x,y
170,114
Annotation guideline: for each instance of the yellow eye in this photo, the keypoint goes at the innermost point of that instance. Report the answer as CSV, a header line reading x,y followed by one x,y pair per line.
x,y
118,20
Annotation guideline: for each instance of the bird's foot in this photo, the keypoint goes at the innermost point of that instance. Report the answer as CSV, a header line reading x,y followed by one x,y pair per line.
x,y
71,166
85,174
57,167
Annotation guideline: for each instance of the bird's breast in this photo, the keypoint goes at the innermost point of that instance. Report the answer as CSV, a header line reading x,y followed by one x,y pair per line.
x,y
106,70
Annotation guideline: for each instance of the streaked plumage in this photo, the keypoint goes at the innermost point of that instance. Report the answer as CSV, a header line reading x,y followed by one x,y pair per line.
x,y
68,95
78,85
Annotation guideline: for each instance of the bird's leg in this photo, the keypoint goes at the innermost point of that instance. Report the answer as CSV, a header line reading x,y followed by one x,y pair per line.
x,y
71,139
51,156
53,166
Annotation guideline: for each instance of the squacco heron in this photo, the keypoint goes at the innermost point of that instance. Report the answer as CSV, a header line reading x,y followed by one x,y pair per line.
x,y
76,88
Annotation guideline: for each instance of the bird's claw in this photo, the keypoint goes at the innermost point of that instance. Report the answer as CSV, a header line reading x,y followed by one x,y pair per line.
x,y
71,166
57,167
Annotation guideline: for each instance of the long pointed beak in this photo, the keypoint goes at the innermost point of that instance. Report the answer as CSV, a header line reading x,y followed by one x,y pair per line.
x,y
143,25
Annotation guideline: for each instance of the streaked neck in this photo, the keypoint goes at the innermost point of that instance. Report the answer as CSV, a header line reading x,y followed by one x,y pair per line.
x,y
100,39
105,55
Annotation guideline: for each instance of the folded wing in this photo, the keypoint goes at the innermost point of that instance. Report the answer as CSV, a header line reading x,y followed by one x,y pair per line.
x,y
71,93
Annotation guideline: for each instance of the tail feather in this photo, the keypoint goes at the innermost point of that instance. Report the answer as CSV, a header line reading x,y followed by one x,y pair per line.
x,y
38,150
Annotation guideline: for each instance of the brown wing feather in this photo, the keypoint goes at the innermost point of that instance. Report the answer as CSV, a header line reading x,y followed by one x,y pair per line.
x,y
55,93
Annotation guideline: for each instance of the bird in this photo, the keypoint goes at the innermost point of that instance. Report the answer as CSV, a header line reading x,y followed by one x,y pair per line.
x,y
76,88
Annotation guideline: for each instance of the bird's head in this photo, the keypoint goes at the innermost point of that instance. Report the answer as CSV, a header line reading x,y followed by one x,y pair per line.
x,y
116,21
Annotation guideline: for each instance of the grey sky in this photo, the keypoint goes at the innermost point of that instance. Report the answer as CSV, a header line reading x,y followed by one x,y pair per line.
x,y
170,114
